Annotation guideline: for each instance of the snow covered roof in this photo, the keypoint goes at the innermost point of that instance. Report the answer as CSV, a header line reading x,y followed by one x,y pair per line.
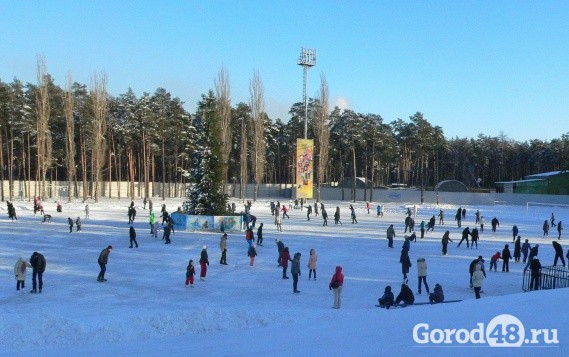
x,y
547,174
521,181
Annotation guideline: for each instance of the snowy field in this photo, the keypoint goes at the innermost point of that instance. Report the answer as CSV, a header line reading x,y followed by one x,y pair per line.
x,y
144,309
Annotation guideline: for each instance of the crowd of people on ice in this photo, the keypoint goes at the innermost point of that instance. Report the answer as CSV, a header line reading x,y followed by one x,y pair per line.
x,y
470,237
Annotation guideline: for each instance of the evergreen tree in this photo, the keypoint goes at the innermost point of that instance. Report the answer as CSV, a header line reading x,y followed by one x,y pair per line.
x,y
205,194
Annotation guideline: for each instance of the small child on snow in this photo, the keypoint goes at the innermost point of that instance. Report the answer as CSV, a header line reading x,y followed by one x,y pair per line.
x,y
190,272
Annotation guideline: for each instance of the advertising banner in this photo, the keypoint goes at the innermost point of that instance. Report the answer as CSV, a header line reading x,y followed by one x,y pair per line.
x,y
304,168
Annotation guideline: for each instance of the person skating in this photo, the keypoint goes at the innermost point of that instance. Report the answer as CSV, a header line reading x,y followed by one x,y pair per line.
x,y
406,244
280,248
285,258
87,211
422,274
545,228
405,264
295,271
475,237
103,259
132,236
422,228
533,252
260,235
252,253
38,263
514,232
279,222
166,236
431,224
204,263
473,264
20,269
494,261
368,206
390,236
284,209
387,300
495,224
190,272
535,268
477,215
70,222
552,219
308,212
441,217
465,234
325,218
353,214
518,249
78,224
525,249
437,296
559,229
337,284
249,237
477,278
223,248
151,221
337,216
482,221
445,240
506,256
558,253
405,296
312,260
458,217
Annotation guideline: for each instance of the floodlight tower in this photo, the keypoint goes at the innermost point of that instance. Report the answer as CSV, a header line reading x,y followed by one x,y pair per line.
x,y
307,59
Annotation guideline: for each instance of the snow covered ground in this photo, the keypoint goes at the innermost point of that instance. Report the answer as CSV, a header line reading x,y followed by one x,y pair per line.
x,y
145,308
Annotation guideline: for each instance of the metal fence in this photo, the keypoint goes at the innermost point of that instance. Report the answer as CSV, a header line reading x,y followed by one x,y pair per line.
x,y
550,277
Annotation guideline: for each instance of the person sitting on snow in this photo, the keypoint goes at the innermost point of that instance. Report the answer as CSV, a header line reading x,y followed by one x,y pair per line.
x,y
386,300
405,296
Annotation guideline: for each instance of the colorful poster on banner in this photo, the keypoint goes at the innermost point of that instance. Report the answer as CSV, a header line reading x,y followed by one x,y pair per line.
x,y
304,167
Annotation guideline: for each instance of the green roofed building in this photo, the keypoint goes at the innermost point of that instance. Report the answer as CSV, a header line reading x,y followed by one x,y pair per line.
x,y
549,183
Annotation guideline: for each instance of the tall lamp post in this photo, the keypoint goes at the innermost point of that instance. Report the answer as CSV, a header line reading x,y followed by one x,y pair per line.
x,y
307,59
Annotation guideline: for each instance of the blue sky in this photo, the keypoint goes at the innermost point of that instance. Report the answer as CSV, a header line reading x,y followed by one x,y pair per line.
x,y
470,67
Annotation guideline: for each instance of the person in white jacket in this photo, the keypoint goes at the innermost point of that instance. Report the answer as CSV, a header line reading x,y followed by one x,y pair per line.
x,y
477,279
20,272
422,273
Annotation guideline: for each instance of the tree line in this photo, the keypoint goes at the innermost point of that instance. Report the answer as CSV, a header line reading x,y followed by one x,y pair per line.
x,y
82,135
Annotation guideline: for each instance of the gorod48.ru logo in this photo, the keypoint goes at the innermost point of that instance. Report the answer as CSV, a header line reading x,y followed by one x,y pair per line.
x,y
502,331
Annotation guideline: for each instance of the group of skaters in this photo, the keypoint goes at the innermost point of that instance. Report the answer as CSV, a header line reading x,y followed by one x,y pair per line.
x,y
551,222
37,263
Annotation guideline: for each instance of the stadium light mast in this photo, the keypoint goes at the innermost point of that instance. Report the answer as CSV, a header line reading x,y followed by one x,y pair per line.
x,y
307,59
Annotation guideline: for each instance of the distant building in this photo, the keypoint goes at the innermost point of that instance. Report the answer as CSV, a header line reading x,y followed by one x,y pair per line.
x,y
548,183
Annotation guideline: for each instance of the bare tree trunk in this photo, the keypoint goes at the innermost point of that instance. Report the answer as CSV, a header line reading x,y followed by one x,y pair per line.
x,y
43,137
99,99
243,159
257,104
223,96
1,167
322,134
83,162
11,165
354,180
68,102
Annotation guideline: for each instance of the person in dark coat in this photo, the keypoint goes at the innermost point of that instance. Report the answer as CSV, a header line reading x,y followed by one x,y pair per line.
x,y
190,272
545,228
559,229
285,258
260,235
445,240
166,236
458,217
437,296
558,252
535,268
390,236
70,221
518,249
465,234
387,299
514,232
132,236
405,296
295,271
308,212
353,214
405,264
324,217
78,224
532,254
506,256
103,259
525,249
475,237
431,224
280,248
407,244
407,224
495,224
441,217
337,215
204,263
38,263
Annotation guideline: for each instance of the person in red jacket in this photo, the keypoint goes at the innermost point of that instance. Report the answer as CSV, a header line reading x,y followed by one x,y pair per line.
x,y
336,284
249,237
494,261
285,258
